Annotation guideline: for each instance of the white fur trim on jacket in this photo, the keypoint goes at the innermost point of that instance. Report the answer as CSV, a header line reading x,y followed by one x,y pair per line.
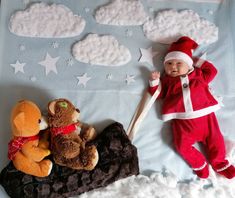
x,y
190,115
153,83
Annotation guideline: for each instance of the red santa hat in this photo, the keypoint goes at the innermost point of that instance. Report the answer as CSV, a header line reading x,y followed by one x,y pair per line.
x,y
182,49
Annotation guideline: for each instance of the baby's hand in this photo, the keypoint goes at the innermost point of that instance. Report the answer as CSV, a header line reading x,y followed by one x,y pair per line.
x,y
155,75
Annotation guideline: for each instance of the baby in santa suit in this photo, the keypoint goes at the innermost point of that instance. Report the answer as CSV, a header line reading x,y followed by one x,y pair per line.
x,y
188,103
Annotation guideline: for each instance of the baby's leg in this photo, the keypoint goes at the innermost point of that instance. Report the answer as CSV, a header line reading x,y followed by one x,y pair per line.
x,y
216,149
185,135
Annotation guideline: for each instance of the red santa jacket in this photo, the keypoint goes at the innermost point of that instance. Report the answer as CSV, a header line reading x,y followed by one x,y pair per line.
x,y
188,96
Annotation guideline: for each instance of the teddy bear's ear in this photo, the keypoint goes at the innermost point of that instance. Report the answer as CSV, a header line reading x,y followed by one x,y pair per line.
x,y
51,107
19,120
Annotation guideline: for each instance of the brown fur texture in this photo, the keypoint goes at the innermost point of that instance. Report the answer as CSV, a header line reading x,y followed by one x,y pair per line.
x,y
70,149
62,116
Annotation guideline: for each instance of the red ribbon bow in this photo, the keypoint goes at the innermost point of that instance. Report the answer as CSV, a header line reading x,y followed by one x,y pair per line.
x,y
64,130
16,144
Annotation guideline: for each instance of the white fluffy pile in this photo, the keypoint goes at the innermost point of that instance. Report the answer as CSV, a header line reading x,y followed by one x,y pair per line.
x,y
139,187
46,21
122,12
101,50
169,25
166,185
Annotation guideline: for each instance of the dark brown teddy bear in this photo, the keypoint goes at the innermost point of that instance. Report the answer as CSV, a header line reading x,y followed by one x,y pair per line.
x,y
69,137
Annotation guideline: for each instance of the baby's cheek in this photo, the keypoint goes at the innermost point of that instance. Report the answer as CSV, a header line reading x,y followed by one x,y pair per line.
x,y
167,70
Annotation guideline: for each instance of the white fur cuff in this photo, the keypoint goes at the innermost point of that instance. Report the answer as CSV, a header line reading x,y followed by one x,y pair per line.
x,y
153,83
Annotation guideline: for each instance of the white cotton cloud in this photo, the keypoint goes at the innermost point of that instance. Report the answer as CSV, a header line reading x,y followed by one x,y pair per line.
x,y
169,25
46,21
122,12
101,50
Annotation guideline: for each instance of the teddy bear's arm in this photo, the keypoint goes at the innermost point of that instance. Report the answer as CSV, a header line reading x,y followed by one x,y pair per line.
x,y
88,132
32,151
43,140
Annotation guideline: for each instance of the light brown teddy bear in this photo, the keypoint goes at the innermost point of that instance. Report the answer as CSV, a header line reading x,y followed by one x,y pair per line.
x,y
25,149
69,137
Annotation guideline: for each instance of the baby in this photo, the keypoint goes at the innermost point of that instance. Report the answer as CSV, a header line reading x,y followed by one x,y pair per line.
x,y
188,102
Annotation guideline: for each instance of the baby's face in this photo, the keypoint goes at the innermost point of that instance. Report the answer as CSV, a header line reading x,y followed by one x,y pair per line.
x,y
176,67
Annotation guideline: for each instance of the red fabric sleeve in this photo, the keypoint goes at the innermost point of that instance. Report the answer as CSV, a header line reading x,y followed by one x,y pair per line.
x,y
152,90
208,71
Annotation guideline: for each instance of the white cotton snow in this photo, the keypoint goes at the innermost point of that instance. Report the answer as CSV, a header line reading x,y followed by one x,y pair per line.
x,y
138,187
122,12
46,21
165,184
101,50
169,25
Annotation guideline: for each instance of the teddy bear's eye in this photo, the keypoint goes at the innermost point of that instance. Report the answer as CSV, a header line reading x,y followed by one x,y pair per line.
x,y
78,110
39,121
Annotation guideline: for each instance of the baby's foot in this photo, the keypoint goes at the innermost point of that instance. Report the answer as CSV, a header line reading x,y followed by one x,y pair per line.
x,y
228,172
203,173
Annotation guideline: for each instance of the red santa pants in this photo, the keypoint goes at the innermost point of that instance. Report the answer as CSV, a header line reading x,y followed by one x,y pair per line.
x,y
205,130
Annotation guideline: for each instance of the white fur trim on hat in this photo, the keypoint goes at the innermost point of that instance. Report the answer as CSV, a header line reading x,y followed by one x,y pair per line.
x,y
179,55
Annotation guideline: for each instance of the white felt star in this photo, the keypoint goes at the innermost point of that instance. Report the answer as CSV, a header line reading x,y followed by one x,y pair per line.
x,y
55,45
129,79
70,62
22,47
87,9
147,55
49,63
129,33
83,79
211,12
217,97
109,76
19,67
33,78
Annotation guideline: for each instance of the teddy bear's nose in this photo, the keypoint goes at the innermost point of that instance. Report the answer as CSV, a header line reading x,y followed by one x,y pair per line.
x,y
78,110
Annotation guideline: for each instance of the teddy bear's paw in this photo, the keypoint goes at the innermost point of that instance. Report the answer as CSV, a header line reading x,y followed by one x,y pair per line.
x,y
46,167
69,149
47,152
43,144
89,157
89,134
